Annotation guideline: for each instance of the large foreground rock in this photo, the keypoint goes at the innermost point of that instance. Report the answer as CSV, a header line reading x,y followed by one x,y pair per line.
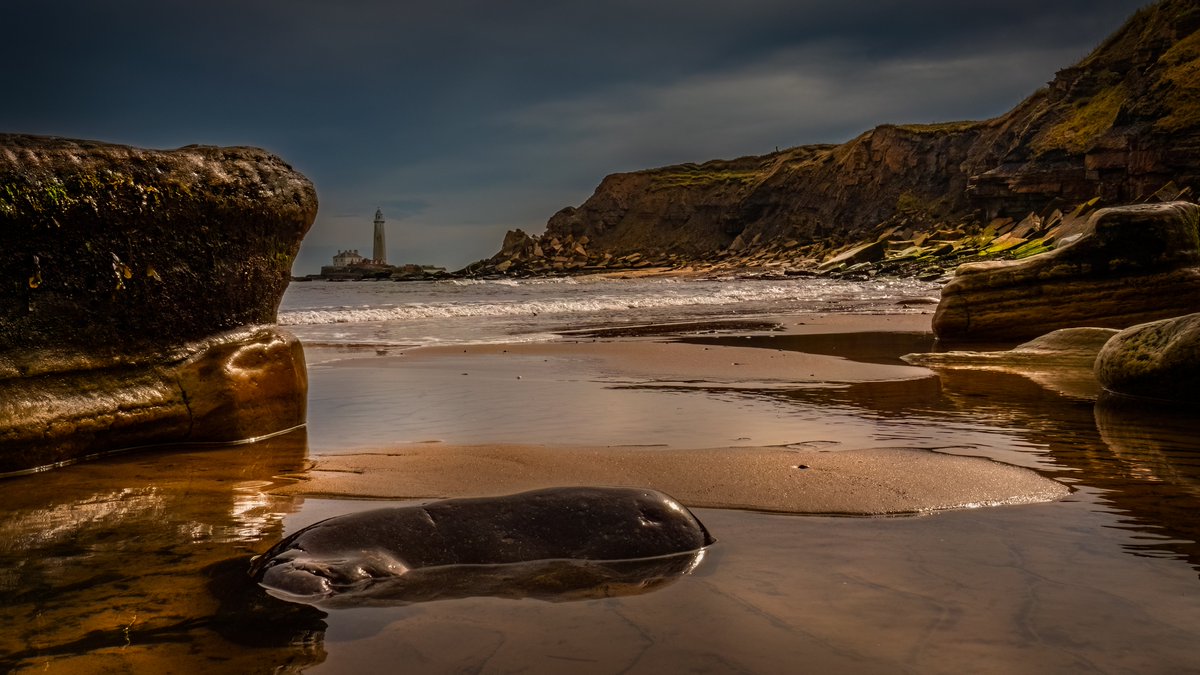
x,y
556,543
131,283
1132,264
1159,360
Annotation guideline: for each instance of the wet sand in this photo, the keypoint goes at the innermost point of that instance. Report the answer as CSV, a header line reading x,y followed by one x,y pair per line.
x,y
805,476
137,564
881,481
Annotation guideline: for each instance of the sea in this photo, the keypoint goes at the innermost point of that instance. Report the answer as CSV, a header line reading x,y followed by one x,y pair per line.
x,y
466,311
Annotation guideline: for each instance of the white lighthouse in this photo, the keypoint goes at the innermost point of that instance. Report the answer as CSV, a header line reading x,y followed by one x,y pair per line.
x,y
380,253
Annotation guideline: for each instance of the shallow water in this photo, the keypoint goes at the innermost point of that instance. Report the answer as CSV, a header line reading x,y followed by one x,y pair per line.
x,y
136,563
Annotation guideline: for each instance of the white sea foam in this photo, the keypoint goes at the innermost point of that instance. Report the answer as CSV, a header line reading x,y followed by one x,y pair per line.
x,y
660,296
472,311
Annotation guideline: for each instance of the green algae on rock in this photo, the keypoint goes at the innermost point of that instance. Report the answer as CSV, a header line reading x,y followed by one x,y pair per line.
x,y
112,246
1159,360
1130,265
125,267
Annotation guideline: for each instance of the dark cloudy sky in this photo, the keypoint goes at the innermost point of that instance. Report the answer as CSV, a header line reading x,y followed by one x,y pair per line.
x,y
465,118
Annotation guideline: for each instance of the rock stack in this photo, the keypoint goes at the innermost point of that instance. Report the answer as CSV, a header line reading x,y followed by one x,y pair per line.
x,y
137,289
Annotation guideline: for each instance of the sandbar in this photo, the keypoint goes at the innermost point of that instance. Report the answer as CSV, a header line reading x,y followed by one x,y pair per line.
x,y
875,481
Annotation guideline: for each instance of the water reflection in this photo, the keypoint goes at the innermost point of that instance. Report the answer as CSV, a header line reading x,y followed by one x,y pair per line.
x,y
885,348
1143,460
548,580
129,563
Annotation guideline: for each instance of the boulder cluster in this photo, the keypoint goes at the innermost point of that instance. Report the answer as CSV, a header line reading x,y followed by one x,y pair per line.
x,y
1135,268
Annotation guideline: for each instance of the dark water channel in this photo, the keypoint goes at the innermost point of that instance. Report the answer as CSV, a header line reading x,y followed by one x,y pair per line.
x,y
135,564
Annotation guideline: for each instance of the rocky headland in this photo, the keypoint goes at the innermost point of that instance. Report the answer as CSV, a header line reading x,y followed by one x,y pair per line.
x,y
1120,127
139,292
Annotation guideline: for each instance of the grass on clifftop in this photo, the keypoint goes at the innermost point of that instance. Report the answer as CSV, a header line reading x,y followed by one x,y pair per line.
x,y
1182,71
940,127
1086,122
694,176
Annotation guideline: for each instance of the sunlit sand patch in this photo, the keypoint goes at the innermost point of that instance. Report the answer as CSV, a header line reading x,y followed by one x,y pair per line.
x,y
867,482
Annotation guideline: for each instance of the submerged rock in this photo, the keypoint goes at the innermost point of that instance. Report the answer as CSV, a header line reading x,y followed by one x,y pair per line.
x,y
130,288
1159,360
1132,264
1068,346
557,543
1061,361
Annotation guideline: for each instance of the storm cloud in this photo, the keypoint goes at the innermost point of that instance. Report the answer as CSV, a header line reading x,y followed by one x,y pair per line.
x,y
462,119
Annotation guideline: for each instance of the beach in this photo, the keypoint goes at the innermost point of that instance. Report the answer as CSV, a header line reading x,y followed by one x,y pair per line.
x,y
658,443
869,515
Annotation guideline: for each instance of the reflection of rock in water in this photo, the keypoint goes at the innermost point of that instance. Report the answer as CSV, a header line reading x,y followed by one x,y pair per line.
x,y
104,563
1144,459
1157,448
556,544
248,616
1164,440
549,580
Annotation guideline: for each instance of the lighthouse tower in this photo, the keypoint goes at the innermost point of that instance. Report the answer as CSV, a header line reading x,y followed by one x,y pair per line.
x,y
380,254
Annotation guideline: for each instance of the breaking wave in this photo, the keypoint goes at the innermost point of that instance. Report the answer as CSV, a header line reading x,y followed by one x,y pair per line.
x,y
814,294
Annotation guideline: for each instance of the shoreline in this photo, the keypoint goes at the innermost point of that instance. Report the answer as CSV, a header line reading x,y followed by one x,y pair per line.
x,y
790,480
846,474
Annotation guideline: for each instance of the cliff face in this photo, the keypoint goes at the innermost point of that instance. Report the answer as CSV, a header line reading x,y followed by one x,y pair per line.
x,y
1119,126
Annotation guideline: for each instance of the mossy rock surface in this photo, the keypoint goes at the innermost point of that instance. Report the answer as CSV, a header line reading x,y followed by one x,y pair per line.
x,y
109,247
1158,360
133,286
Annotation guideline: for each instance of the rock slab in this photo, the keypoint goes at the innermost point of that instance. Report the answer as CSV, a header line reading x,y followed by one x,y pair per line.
x,y
133,287
1131,264
1158,360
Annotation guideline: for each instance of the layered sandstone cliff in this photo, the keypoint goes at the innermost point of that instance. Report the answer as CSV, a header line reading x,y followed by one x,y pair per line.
x,y
1118,127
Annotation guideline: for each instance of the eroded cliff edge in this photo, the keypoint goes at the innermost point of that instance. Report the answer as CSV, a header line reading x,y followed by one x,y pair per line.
x,y
1119,127
137,289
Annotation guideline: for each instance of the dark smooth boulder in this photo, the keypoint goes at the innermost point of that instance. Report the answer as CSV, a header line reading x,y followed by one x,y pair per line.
x,y
126,276
558,543
1159,360
1131,264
